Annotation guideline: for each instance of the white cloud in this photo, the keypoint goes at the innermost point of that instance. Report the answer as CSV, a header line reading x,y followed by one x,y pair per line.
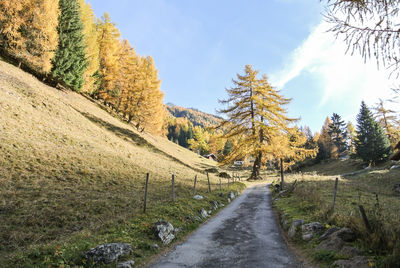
x,y
341,76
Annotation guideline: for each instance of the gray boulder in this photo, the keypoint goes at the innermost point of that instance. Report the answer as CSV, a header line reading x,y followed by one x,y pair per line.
x,y
350,252
198,197
328,233
355,262
126,264
309,230
332,243
346,234
107,253
231,195
204,213
294,227
164,231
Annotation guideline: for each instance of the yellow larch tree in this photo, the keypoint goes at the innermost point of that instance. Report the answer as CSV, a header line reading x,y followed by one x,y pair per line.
x,y
92,47
109,46
28,31
256,117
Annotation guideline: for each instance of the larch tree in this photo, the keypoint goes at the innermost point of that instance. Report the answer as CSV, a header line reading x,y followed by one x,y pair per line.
x,y
70,62
255,116
372,145
351,137
90,75
150,111
368,27
109,46
388,120
28,31
325,145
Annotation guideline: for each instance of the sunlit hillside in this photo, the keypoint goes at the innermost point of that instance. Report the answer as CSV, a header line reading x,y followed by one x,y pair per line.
x,y
66,165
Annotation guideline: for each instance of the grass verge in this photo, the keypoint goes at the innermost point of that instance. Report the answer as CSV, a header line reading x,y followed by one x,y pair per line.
x,y
136,230
312,199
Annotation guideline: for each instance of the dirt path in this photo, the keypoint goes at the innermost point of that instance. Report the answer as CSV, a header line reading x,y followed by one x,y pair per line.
x,y
245,234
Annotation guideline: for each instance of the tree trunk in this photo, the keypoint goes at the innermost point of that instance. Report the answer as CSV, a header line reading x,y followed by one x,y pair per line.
x,y
255,174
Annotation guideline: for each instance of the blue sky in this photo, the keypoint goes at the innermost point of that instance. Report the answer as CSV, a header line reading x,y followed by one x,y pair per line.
x,y
199,46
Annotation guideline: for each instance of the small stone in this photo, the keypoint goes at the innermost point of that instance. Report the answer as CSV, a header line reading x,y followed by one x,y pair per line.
x,y
229,200
209,212
309,230
231,195
395,166
221,205
177,230
126,264
294,226
215,205
204,213
155,246
107,253
355,262
198,197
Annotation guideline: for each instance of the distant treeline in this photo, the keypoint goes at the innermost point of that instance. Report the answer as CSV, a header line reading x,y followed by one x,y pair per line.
x,y
63,42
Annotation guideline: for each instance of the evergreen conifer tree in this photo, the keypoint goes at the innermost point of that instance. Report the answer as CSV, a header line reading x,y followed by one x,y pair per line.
x,y
69,62
372,145
337,131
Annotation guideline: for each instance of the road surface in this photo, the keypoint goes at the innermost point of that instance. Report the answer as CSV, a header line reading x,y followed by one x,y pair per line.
x,y
245,234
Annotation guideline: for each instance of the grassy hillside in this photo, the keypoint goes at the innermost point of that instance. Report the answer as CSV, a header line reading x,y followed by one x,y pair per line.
x,y
193,115
373,189
67,166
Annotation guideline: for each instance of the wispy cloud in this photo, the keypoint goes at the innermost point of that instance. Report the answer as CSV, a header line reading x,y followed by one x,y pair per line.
x,y
341,76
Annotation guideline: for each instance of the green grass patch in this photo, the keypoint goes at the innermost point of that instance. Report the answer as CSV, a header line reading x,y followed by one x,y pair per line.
x,y
136,230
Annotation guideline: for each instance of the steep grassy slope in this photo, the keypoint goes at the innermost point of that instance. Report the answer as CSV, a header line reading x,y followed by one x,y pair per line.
x,y
67,166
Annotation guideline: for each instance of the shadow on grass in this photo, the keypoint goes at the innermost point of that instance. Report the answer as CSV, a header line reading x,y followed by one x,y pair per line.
x,y
129,135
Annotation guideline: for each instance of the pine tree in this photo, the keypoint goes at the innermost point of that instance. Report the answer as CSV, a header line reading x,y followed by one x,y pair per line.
x,y
69,62
28,31
90,75
372,145
337,132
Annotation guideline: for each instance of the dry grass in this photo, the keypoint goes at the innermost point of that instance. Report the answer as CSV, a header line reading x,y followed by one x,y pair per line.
x,y
313,196
67,166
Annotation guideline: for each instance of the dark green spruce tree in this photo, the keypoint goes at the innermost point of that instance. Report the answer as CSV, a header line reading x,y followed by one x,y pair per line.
x,y
338,133
69,62
372,144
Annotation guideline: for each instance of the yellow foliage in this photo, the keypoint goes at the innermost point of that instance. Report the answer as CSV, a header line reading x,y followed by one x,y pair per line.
x,y
92,47
29,31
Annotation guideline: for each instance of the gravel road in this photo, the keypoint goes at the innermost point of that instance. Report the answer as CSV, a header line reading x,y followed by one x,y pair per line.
x,y
245,234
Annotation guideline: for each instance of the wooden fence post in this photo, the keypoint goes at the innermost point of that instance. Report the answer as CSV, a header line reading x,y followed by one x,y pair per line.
x,y
173,187
220,185
194,187
145,192
334,195
365,219
209,186
282,176
228,181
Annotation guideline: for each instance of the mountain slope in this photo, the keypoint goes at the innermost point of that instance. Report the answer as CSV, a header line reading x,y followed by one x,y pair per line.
x,y
67,166
195,116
